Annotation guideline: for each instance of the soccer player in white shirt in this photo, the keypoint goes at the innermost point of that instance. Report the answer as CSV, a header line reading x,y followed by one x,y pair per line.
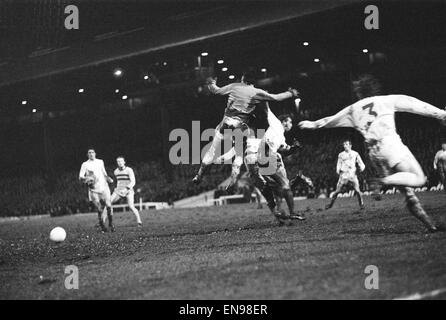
x,y
348,161
125,182
374,117
93,174
271,149
263,160
440,164
243,98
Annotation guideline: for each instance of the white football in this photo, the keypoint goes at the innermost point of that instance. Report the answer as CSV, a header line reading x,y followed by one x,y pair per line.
x,y
58,234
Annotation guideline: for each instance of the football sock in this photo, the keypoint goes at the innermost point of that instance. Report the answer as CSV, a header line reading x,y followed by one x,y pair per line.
x,y
136,213
333,200
288,194
109,216
204,168
269,196
360,200
415,208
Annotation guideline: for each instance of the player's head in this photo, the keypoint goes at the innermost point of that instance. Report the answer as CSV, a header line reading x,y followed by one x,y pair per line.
x,y
120,161
91,153
366,86
443,146
347,144
287,121
249,77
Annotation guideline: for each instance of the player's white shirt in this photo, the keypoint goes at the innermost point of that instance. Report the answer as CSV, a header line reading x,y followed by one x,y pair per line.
x,y
374,117
271,142
274,137
347,162
95,168
275,134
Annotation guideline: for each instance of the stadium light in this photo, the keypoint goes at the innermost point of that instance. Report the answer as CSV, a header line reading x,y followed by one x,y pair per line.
x,y
231,76
81,90
263,70
117,91
306,44
24,102
316,60
220,61
124,97
34,110
164,63
224,69
365,50
146,77
204,54
118,72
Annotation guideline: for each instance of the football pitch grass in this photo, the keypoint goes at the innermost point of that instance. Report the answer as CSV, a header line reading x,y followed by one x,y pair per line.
x,y
230,252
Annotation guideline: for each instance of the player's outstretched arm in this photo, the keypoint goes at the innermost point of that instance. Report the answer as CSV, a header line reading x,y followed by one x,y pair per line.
x,y
339,165
340,119
287,150
104,172
410,104
360,163
132,179
82,173
263,95
436,158
213,88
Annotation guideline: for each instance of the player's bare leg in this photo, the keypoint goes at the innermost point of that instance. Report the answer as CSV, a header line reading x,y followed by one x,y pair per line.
x,y
267,192
289,198
131,203
209,157
278,199
410,170
258,198
408,173
109,214
235,172
358,194
99,210
441,172
334,197
235,167
283,184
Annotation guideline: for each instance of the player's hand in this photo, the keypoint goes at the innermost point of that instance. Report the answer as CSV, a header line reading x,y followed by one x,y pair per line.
x,y
123,192
88,180
296,144
307,125
211,80
294,92
109,180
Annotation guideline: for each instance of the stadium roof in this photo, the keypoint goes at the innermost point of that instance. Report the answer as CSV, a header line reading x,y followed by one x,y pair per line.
x,y
78,72
35,42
